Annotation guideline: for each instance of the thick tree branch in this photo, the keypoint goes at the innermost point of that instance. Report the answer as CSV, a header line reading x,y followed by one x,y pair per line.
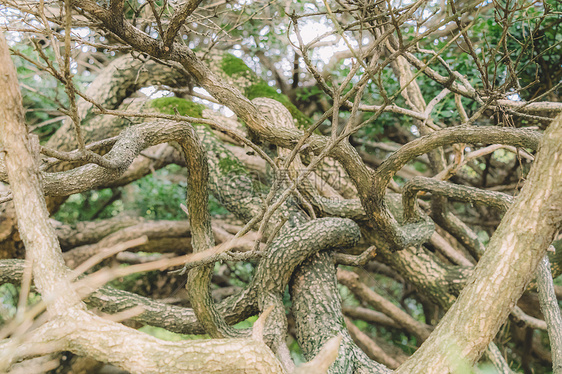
x,y
314,294
372,195
453,191
520,242
551,312
86,334
177,21
74,328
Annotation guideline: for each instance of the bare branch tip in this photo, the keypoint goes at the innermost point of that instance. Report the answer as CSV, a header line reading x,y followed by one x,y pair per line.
x,y
259,325
324,359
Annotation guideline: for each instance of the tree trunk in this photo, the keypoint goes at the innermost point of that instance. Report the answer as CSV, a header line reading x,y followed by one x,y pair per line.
x,y
504,271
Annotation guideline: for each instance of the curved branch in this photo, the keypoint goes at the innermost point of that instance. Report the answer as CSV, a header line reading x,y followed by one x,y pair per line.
x,y
86,334
71,326
401,237
130,143
315,297
177,21
271,278
371,196
112,85
551,312
462,134
494,199
519,243
199,279
290,250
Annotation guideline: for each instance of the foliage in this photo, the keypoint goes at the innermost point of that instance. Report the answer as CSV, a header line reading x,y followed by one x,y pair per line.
x,y
500,41
8,302
176,105
86,205
158,198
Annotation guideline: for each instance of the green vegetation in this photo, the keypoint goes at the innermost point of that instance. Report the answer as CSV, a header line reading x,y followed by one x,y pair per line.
x,y
90,205
232,165
263,90
169,105
9,298
8,301
158,198
507,50
234,67
154,196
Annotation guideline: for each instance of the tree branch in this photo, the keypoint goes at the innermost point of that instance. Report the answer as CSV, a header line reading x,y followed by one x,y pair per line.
x,y
520,242
551,312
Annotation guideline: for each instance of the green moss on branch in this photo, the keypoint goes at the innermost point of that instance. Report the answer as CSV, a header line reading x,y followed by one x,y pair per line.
x,y
233,65
254,87
169,105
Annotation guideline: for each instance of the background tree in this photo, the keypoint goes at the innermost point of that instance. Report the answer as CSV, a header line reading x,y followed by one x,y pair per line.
x,y
346,168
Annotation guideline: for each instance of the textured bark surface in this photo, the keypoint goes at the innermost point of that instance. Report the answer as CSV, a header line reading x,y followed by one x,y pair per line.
x,y
70,326
300,221
504,271
136,352
20,155
551,312
315,297
122,77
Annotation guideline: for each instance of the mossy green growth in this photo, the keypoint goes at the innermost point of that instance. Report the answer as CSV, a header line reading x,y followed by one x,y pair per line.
x,y
168,105
231,165
262,89
233,65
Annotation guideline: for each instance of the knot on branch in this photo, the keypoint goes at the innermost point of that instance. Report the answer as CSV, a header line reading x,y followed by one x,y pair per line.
x,y
396,229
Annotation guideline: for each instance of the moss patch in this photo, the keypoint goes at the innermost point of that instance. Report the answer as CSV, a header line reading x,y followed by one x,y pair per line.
x,y
231,165
264,90
168,105
235,67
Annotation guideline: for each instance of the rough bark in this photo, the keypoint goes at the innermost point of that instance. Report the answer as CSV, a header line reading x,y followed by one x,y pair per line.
x,y
551,312
504,271
318,316
70,326
116,82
